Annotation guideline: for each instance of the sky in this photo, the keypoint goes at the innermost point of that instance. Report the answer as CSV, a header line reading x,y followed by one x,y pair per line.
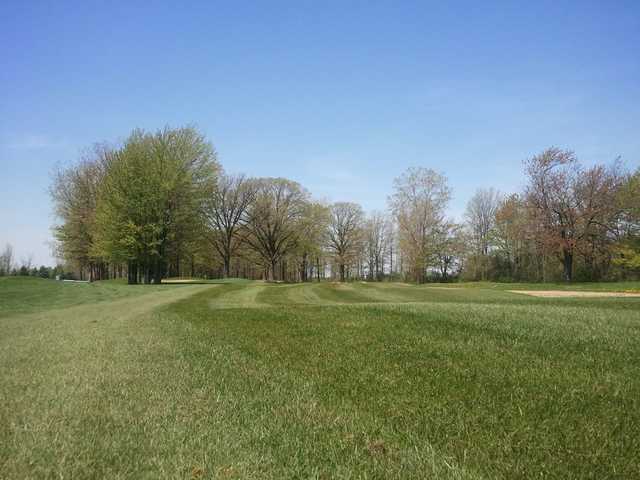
x,y
339,96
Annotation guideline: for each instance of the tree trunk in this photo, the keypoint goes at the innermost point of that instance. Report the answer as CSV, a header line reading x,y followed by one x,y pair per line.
x,y
272,270
132,273
158,271
227,267
303,268
567,263
147,274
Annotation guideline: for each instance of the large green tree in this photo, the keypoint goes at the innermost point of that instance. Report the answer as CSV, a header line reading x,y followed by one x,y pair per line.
x,y
152,199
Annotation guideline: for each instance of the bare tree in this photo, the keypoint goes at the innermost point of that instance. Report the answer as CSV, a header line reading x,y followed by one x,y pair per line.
x,y
511,239
274,220
227,213
6,260
313,226
26,262
418,204
345,233
481,218
378,243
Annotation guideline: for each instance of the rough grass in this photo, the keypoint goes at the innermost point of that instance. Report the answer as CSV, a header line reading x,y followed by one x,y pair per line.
x,y
29,294
318,381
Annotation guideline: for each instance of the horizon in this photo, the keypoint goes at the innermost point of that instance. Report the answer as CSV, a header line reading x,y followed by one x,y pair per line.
x,y
317,94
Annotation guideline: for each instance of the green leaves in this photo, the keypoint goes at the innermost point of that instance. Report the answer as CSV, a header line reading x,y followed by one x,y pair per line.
x,y
152,196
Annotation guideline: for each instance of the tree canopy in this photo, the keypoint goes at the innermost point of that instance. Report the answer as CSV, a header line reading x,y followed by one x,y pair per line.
x,y
161,205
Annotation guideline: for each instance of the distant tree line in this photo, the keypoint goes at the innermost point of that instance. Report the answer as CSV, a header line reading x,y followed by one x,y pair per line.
x,y
570,222
160,205
9,267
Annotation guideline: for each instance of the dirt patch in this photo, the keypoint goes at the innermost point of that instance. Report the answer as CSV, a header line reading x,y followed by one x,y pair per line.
x,y
377,448
569,293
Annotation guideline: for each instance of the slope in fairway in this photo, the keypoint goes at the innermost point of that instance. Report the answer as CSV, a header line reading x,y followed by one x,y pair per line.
x,y
252,380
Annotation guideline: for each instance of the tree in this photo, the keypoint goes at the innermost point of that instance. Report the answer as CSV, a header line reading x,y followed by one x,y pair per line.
x,y
6,260
450,243
75,196
152,200
314,225
627,249
44,272
26,263
157,204
274,220
378,234
510,237
418,203
226,213
344,234
480,216
572,205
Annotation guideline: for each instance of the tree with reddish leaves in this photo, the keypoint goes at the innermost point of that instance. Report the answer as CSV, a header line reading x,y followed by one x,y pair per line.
x,y
575,208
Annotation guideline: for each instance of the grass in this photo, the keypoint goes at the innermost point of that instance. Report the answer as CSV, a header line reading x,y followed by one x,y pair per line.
x,y
30,294
252,380
627,286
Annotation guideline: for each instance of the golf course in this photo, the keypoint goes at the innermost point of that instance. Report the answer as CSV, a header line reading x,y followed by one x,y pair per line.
x,y
249,379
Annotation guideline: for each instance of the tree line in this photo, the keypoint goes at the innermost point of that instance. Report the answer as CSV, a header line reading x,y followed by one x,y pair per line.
x,y
9,266
161,205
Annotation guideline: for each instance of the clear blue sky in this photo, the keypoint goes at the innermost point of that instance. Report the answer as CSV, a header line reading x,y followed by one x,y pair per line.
x,y
341,97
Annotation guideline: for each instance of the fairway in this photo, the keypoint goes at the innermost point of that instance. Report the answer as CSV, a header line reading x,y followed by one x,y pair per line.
x,y
246,379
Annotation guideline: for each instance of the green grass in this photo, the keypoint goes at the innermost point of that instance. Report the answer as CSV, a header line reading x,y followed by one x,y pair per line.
x,y
252,380
628,286
30,294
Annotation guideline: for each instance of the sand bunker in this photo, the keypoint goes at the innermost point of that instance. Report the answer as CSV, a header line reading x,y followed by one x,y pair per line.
x,y
185,280
569,293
